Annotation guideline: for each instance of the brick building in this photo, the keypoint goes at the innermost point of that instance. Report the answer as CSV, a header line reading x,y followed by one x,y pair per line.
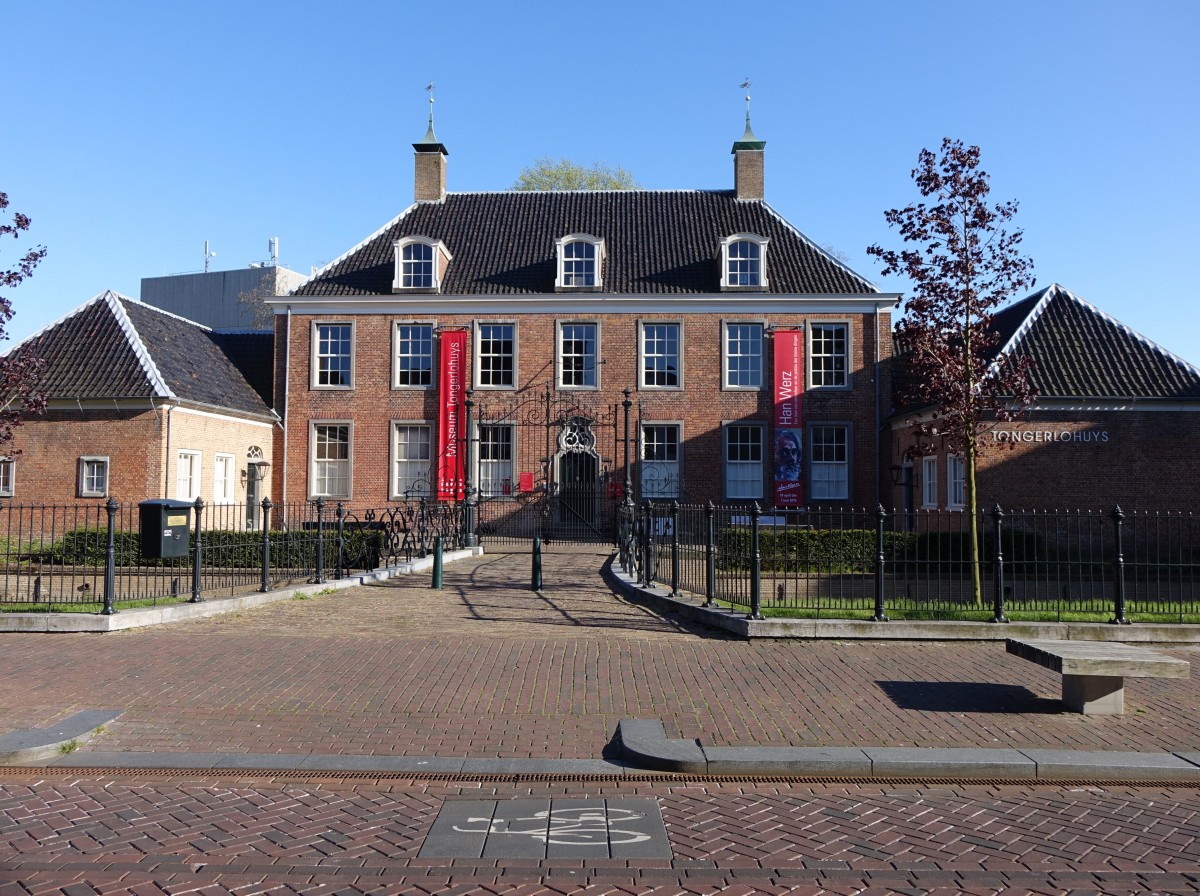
x,y
1114,423
520,319
144,404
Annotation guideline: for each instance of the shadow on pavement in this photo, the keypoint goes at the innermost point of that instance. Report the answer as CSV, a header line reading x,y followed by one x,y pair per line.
x,y
968,696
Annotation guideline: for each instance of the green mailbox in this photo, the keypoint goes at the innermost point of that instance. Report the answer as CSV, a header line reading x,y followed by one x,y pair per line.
x,y
165,528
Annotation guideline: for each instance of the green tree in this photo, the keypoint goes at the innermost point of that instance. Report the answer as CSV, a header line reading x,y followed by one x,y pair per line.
x,y
21,393
963,265
547,174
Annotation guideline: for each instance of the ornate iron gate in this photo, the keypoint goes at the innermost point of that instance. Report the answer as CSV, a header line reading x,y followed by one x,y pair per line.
x,y
549,465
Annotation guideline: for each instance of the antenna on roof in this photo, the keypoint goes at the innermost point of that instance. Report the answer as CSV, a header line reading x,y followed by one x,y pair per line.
x,y
273,248
207,256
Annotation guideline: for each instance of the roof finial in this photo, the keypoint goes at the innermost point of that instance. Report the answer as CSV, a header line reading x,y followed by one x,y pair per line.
x,y
748,141
745,85
430,137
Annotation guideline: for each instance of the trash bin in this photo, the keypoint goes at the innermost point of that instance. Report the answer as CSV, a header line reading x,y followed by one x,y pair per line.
x,y
165,528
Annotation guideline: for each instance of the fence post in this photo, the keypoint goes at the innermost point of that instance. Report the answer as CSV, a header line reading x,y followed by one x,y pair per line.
x,y
1119,572
880,560
437,563
647,545
266,545
998,598
110,559
196,555
675,549
341,539
319,578
710,553
535,583
755,565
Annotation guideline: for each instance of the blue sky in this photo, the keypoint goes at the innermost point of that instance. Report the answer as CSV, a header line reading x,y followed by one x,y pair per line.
x,y
135,131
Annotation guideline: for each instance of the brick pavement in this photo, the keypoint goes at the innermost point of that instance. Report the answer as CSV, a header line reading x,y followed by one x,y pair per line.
x,y
241,836
488,669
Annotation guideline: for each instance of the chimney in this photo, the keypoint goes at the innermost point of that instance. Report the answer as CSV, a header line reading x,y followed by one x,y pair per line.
x,y
430,166
748,165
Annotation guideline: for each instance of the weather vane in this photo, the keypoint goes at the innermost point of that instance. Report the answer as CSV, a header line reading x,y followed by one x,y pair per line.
x,y
745,85
429,87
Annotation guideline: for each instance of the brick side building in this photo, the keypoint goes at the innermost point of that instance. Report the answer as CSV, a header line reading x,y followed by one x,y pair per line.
x,y
521,319
144,404
1114,423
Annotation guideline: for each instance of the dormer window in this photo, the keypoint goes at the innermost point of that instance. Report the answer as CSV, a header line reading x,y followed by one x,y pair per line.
x,y
420,264
744,262
580,262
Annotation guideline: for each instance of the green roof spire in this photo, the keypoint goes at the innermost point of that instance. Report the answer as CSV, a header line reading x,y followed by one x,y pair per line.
x,y
430,142
748,141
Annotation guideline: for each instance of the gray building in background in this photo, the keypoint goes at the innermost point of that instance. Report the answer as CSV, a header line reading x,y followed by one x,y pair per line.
x,y
214,299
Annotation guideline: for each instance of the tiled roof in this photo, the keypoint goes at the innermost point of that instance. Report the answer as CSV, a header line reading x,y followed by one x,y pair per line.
x,y
1078,351
115,347
656,242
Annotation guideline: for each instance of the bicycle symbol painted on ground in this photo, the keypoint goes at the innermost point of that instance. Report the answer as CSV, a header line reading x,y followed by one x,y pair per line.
x,y
564,826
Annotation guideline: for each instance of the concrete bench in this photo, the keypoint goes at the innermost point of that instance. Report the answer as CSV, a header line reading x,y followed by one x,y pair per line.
x,y
1094,672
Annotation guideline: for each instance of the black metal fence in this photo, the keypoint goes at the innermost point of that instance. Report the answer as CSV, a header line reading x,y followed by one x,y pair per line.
x,y
1044,565
80,557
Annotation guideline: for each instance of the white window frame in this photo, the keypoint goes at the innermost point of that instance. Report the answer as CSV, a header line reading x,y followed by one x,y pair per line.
x,y
929,481
480,326
223,483
187,461
412,477
87,488
561,355
956,482
319,355
344,469
667,470
646,329
496,475
405,268
398,356
579,273
8,477
731,339
812,355
821,486
729,250
750,470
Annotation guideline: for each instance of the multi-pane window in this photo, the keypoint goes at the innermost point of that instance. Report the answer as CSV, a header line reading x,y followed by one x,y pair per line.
x,y
495,460
660,461
828,355
929,485
412,453
830,463
743,356
333,355
497,355
660,356
187,475
93,477
577,355
414,354
6,477
743,461
416,266
223,479
579,264
743,264
956,481
331,460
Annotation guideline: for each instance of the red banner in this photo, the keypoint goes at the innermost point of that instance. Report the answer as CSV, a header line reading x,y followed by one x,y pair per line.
x,y
452,356
789,421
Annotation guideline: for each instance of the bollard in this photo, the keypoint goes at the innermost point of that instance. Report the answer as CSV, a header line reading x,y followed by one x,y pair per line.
x,y
109,560
266,544
437,563
536,583
197,556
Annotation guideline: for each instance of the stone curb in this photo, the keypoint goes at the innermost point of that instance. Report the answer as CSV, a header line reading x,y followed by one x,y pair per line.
x,y
645,743
26,745
735,622
127,619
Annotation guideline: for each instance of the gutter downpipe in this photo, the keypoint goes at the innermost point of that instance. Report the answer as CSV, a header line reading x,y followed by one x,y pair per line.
x,y
287,370
167,458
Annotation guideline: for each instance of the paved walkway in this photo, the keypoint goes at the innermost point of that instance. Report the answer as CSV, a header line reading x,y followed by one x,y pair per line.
x,y
487,668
